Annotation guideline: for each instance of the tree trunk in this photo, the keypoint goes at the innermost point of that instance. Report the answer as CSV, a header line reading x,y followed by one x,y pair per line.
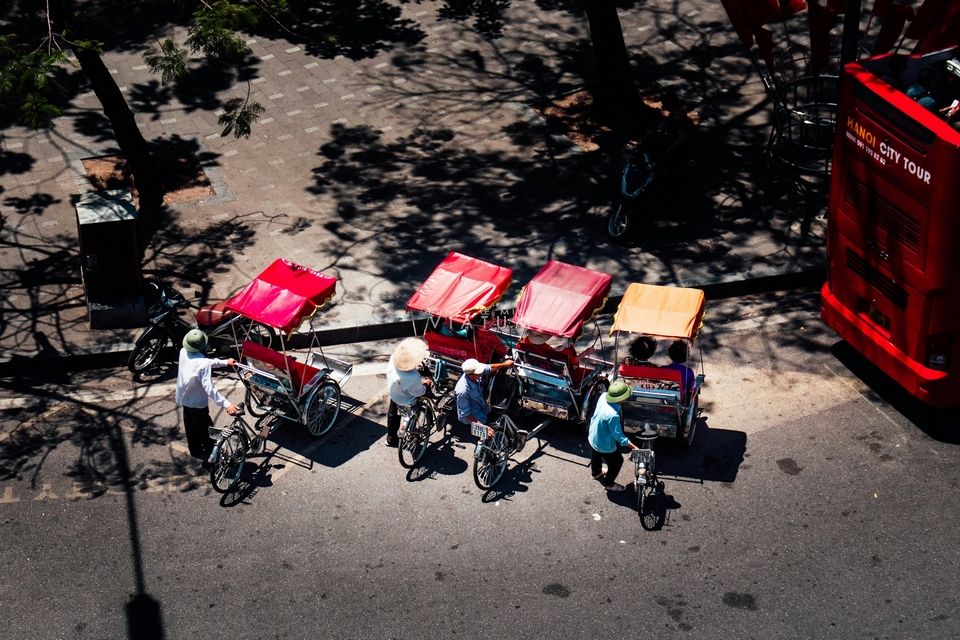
x,y
129,138
616,96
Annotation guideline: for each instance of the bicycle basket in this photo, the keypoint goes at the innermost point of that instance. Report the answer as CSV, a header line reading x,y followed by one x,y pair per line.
x,y
215,432
641,456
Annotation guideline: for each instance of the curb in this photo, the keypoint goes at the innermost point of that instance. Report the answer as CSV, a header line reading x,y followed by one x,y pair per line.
x,y
384,328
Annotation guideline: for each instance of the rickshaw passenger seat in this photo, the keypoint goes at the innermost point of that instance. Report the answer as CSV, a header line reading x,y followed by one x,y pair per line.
x,y
663,374
299,372
449,346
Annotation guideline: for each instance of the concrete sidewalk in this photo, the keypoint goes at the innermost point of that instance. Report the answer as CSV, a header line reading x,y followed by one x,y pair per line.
x,y
372,166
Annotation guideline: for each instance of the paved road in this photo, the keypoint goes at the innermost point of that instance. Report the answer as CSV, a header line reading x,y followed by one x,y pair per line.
x,y
808,507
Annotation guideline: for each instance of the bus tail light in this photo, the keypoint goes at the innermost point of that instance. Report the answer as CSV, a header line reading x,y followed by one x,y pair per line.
x,y
938,352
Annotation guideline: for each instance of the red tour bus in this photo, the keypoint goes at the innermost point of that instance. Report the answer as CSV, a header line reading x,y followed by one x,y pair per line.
x,y
893,242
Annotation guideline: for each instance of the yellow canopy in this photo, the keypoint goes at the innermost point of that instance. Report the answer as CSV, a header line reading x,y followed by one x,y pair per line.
x,y
665,312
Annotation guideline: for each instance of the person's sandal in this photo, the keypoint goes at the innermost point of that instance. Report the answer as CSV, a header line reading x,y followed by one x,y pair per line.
x,y
599,475
615,487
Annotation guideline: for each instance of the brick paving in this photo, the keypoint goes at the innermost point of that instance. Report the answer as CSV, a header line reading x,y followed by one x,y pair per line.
x,y
372,166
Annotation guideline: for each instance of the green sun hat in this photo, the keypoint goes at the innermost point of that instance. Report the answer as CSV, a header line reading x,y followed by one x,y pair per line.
x,y
195,341
618,391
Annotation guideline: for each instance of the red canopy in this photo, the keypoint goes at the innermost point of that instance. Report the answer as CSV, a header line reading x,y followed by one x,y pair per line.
x,y
284,295
461,287
561,298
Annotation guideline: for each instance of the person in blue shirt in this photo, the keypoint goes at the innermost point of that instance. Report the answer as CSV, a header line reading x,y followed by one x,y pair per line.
x,y
678,356
606,435
922,92
468,393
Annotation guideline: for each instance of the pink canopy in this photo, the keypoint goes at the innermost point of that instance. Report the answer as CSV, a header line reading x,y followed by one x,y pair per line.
x,y
284,295
561,298
460,288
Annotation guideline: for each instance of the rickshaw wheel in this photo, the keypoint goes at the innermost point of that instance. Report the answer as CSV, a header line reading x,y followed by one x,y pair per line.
x,y
503,391
254,405
323,409
226,470
651,507
414,443
690,428
598,388
489,466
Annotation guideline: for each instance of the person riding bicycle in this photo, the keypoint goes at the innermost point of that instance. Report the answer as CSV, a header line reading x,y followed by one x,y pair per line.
x,y
404,382
194,387
471,405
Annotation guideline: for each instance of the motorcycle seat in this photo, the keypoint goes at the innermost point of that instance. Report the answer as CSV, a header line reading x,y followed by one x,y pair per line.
x,y
212,314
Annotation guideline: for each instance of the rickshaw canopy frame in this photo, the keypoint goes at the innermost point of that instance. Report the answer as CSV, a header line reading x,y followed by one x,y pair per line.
x,y
460,288
660,311
560,298
284,295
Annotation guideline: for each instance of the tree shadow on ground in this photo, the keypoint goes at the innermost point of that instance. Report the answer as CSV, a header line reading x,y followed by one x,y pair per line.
x,y
355,29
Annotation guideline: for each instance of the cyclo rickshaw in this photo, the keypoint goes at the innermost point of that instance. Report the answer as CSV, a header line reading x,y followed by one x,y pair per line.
x,y
277,384
556,382
457,296
665,399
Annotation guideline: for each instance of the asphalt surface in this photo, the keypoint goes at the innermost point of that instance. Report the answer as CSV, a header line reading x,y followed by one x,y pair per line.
x,y
810,505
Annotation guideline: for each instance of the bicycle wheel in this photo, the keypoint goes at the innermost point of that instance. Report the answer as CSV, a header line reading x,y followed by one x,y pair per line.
x,y
488,467
323,407
414,442
650,506
229,463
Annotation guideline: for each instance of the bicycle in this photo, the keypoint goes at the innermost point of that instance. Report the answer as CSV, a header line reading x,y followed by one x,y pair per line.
x,y
230,449
646,483
493,452
427,414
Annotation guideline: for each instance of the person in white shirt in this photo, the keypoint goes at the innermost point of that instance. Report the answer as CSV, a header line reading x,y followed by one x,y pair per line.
x,y
194,388
404,382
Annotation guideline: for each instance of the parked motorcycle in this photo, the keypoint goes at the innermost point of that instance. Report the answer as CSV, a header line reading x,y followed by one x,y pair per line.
x,y
225,329
654,156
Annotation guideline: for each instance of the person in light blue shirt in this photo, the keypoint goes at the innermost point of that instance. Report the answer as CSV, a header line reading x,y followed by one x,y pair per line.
x,y
606,435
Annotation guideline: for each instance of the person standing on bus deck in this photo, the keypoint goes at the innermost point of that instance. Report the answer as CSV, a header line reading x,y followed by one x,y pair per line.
x,y
404,382
194,388
896,67
605,435
922,92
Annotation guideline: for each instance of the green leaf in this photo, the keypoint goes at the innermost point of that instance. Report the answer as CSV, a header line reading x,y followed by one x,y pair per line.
x,y
170,61
238,117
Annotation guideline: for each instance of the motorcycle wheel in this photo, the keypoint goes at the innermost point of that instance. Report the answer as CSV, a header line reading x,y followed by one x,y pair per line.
x,y
146,351
263,335
620,223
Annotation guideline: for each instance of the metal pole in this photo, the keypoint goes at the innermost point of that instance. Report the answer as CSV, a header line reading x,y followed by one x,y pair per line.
x,y
851,32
